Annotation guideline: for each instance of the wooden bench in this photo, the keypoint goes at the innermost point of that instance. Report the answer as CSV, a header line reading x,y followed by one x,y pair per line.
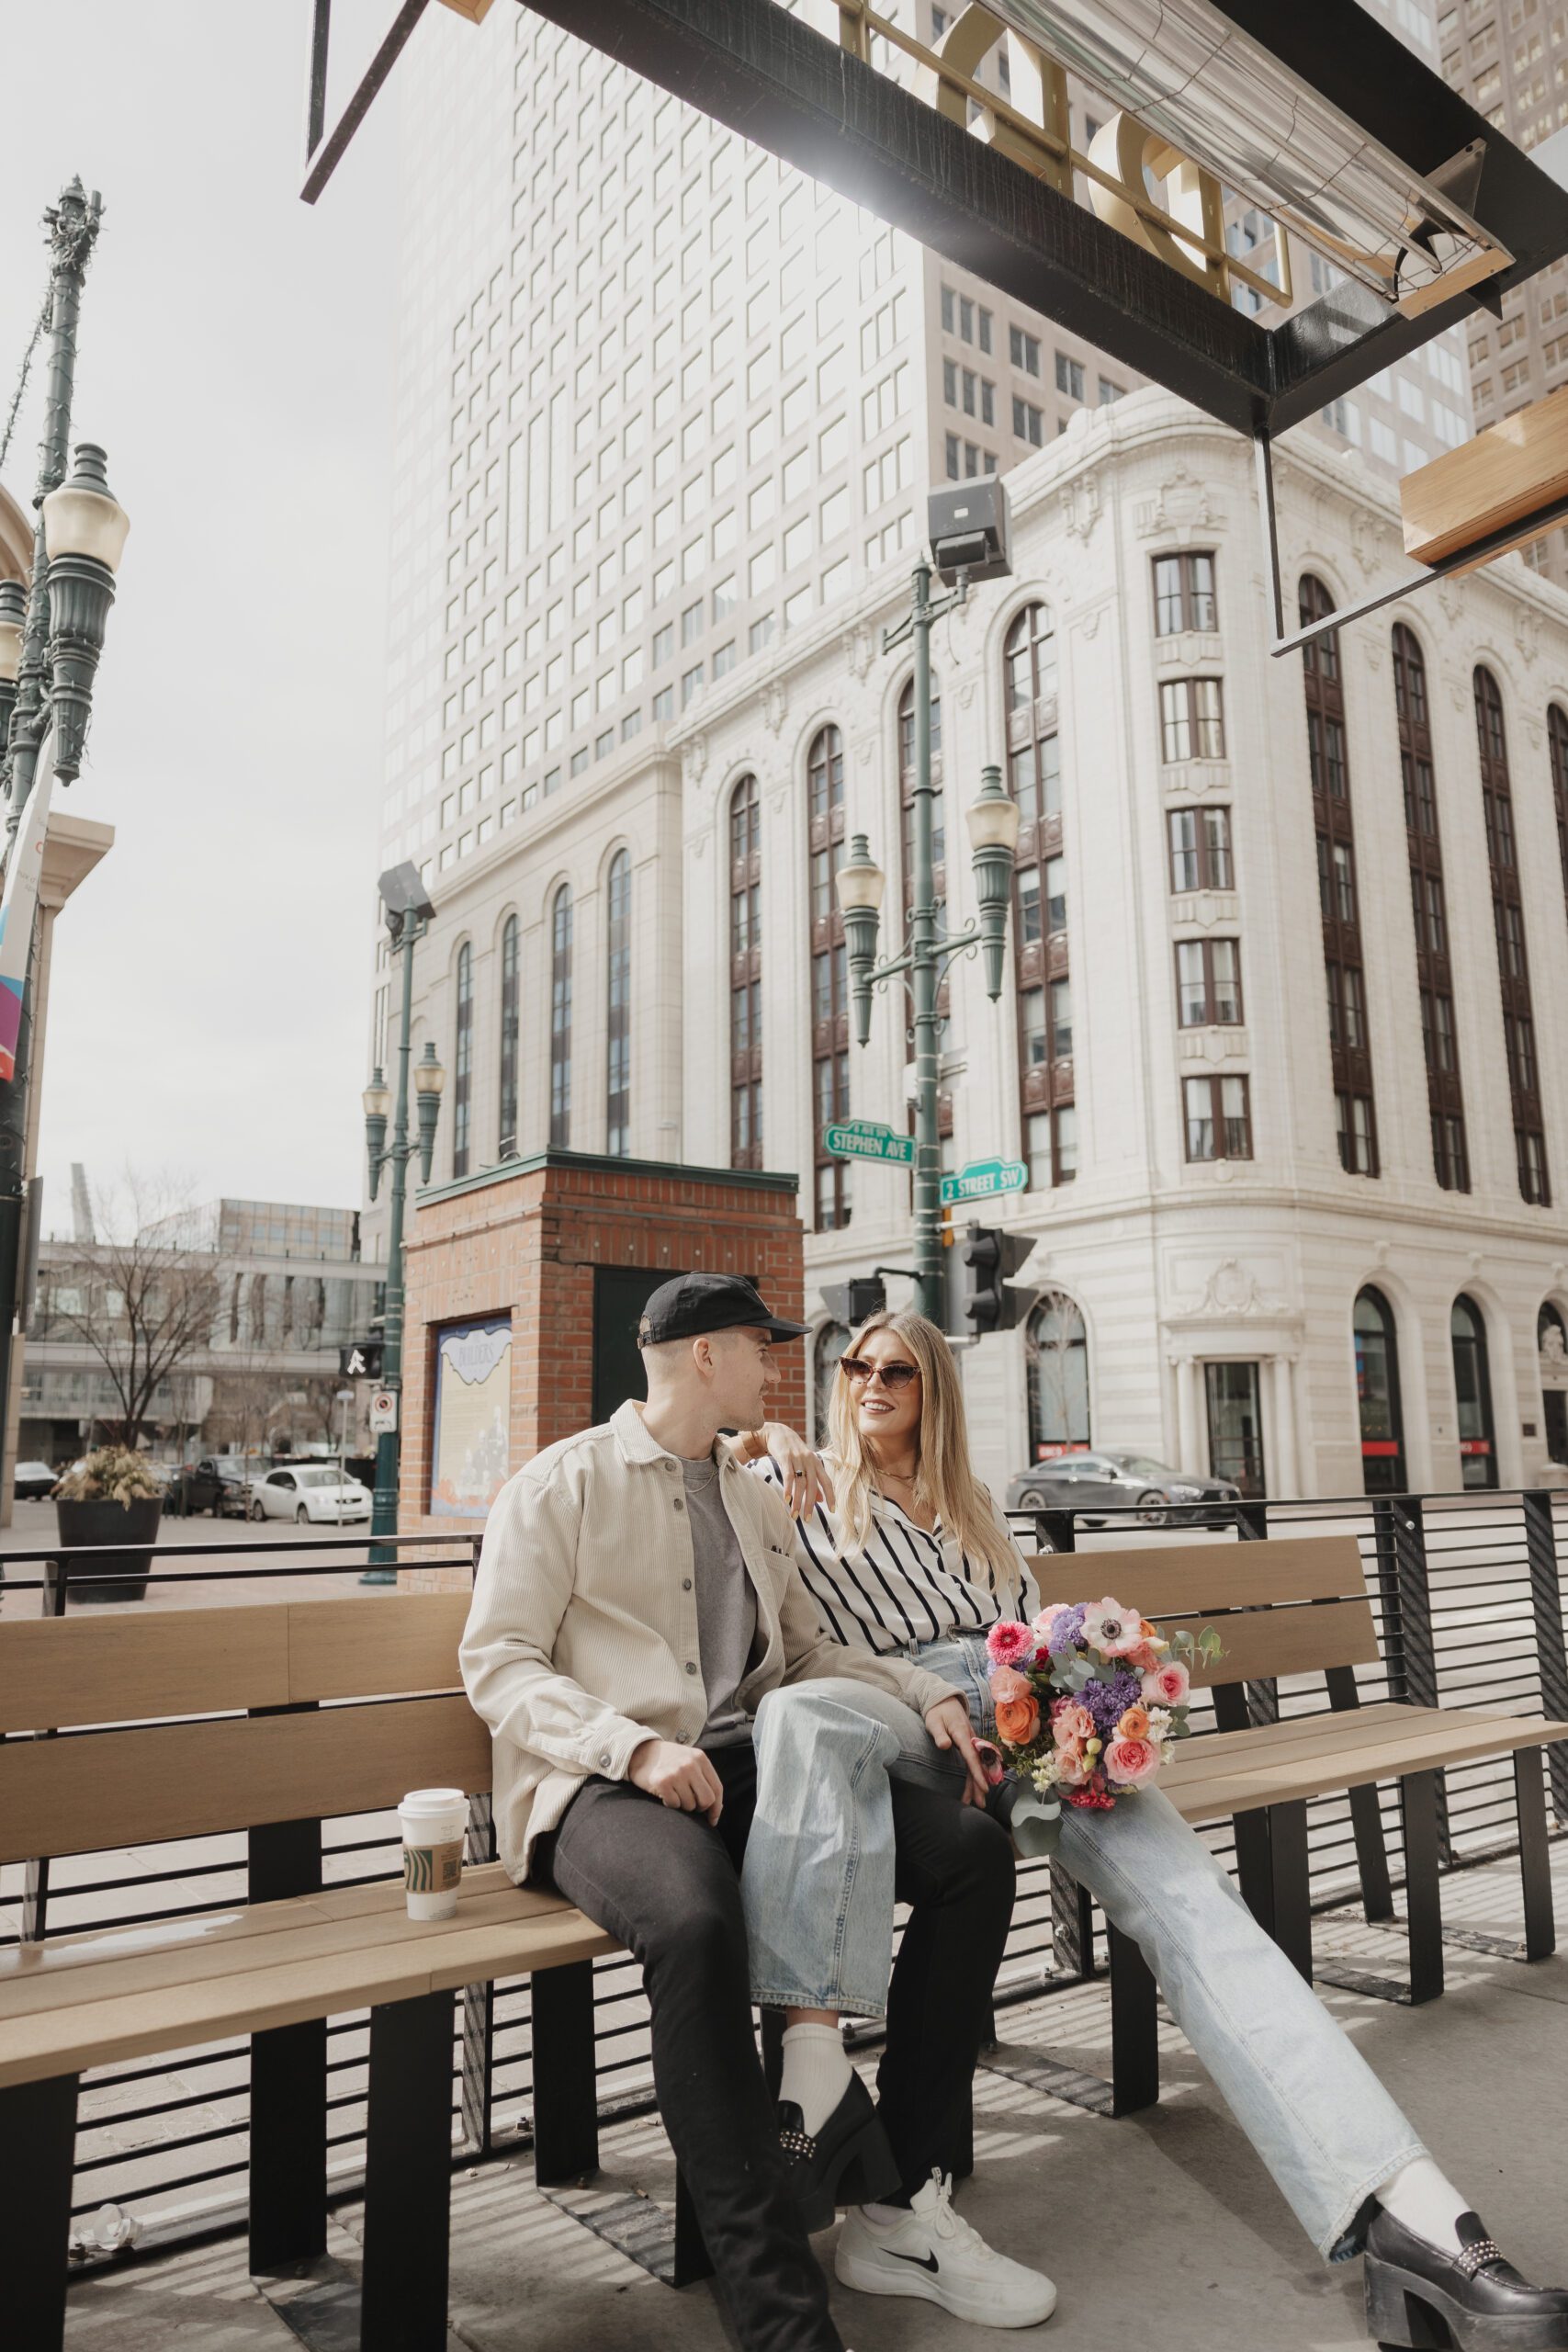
x,y
1293,1607
277,1966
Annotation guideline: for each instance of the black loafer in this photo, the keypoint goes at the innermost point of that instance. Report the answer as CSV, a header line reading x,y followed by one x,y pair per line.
x,y
1420,2298
849,2162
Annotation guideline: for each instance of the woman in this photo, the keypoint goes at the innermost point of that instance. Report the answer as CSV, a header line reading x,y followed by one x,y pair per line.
x,y
904,1551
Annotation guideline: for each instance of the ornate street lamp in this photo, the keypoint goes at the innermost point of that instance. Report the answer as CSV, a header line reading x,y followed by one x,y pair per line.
x,y
83,533
429,1078
13,622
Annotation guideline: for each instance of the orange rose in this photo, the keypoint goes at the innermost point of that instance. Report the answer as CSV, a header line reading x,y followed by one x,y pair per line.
x,y
1134,1724
1018,1720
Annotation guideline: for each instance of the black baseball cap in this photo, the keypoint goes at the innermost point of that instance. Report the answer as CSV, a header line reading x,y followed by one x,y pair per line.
x,y
693,1304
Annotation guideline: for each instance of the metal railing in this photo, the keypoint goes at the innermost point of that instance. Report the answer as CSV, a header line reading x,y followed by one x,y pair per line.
x,y
1469,1594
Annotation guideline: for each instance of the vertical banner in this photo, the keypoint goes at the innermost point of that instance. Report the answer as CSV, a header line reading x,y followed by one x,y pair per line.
x,y
471,1437
19,904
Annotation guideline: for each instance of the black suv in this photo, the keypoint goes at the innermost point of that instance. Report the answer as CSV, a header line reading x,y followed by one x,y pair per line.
x,y
216,1483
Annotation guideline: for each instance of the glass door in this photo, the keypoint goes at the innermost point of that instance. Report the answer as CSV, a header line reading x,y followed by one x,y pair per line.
x,y
1377,1395
1235,1424
1472,1387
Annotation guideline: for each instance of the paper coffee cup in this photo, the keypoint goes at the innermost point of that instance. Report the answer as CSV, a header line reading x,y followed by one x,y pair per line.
x,y
433,1824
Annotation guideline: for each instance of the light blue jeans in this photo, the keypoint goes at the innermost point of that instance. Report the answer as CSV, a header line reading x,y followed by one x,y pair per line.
x,y
817,1888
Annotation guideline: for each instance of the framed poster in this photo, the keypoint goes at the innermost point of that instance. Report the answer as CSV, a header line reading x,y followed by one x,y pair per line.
x,y
471,1425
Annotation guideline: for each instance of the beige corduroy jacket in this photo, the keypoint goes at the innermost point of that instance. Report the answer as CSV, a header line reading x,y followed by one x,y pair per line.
x,y
581,1640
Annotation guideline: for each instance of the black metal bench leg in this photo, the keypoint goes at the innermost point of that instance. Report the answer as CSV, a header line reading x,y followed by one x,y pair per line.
x,y
288,2146
1371,1854
1423,1898
408,2176
1535,1855
1134,2027
566,2105
692,2261
38,2150
1288,1872
1255,1865
1072,1924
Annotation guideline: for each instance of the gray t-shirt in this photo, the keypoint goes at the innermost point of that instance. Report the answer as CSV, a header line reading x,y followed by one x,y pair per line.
x,y
726,1606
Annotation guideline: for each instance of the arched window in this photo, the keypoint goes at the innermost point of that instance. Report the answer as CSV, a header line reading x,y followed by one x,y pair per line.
x,y
618,950
1513,962
1473,1389
1377,1395
1552,1343
830,975
1350,1052
1434,971
510,1013
746,975
463,1063
939,867
1055,1352
1046,1104
826,1348
1557,744
561,1020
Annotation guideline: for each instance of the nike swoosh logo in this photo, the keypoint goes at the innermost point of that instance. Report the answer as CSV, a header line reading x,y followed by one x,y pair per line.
x,y
921,2261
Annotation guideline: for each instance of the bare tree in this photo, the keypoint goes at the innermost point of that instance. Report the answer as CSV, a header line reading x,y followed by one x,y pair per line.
x,y
145,1298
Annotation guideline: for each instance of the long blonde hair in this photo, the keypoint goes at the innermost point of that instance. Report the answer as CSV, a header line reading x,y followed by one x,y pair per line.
x,y
944,1477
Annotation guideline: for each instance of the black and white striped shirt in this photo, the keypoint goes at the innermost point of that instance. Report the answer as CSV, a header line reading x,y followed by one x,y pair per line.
x,y
906,1586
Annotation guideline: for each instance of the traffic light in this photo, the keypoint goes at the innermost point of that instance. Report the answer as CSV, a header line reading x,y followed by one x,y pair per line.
x,y
851,1302
988,1255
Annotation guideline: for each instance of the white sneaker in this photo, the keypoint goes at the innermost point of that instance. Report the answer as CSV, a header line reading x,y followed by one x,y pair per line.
x,y
932,2253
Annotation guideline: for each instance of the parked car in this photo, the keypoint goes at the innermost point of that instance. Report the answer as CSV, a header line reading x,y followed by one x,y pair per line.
x,y
309,1493
34,1480
216,1483
1130,1489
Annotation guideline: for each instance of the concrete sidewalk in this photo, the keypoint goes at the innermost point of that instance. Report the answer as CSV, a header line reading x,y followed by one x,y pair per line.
x,y
1174,2199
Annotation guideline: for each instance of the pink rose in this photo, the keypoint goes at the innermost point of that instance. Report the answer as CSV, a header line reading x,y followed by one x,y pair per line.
x,y
1130,1762
1168,1684
1071,1723
1111,1629
1008,1684
1011,1644
1145,1658
1072,1766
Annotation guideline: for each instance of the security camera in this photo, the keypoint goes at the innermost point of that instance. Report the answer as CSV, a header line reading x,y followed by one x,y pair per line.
x,y
968,527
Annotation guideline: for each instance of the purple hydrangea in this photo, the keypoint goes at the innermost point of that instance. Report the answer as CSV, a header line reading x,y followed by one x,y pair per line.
x,y
1067,1630
1109,1701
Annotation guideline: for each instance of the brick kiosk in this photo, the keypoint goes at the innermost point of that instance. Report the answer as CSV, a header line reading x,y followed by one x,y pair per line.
x,y
533,1273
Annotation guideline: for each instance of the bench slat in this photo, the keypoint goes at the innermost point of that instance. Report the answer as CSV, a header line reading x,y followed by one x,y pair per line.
x,y
1266,1642
384,1965
115,1668
1457,1736
87,1791
351,1649
1184,1579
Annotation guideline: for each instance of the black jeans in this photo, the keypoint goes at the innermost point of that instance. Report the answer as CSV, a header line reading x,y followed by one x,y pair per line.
x,y
667,1886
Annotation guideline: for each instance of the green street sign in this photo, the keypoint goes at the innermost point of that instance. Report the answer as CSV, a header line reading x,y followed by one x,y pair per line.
x,y
868,1140
982,1179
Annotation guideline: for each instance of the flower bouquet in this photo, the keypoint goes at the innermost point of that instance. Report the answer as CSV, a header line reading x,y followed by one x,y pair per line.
x,y
1090,1699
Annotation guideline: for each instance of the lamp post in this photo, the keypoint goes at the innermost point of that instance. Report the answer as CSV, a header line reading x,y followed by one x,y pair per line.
x,y
860,882
50,643
409,913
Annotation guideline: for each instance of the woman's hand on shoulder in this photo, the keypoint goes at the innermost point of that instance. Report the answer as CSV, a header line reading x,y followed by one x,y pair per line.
x,y
803,1481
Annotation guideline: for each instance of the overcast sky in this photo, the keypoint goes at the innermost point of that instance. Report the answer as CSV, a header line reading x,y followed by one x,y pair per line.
x,y
207,1010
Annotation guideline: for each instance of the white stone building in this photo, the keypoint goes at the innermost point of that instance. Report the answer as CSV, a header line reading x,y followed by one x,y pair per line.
x,y
1213,1203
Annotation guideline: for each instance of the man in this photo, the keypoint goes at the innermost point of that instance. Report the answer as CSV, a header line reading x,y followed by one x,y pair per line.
x,y
637,1604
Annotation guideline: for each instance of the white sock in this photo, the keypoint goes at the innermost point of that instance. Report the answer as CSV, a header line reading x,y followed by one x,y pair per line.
x,y
817,2071
885,2217
1426,2202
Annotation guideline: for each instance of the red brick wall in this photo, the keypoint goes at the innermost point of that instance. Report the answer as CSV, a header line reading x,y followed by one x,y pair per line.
x,y
526,1245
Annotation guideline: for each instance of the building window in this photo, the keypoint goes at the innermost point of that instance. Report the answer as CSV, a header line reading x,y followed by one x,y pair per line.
x,y
1048,1120
1184,593
463,1063
1069,376
829,975
1200,849
1235,1424
1557,742
1191,722
1055,1355
1377,1395
1513,962
618,1064
745,974
1551,1348
509,1020
1028,422
1472,1394
1349,1050
1219,1120
1445,1098
1208,983
561,1020
1023,350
